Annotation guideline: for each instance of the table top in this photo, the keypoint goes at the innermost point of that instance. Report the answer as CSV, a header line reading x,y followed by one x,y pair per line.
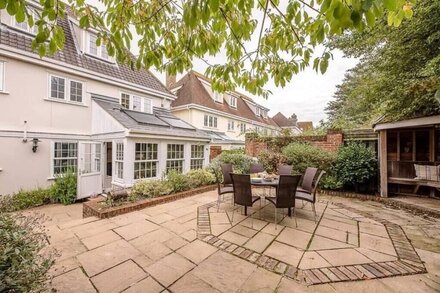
x,y
264,182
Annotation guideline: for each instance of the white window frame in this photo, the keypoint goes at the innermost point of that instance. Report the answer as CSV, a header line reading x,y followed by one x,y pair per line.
x,y
175,159
243,127
99,49
195,158
232,101
143,101
146,160
119,161
210,121
218,97
53,157
30,30
258,111
67,96
231,125
2,76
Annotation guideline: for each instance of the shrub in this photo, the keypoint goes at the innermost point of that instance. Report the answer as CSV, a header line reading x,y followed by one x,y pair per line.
x,y
23,267
271,160
302,155
177,181
64,188
331,182
200,177
355,164
150,188
24,199
239,160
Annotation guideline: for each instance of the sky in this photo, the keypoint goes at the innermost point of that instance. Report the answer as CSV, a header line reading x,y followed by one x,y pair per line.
x,y
306,95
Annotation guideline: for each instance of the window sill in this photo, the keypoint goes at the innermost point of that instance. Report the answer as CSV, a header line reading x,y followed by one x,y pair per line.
x,y
65,102
4,93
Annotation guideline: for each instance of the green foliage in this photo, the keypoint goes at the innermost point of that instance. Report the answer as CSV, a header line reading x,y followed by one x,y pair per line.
x,y
240,162
64,189
207,28
23,265
271,160
302,155
24,199
200,177
331,182
399,72
177,181
355,164
150,188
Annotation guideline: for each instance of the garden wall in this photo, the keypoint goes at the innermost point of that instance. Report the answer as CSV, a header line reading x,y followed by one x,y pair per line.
x,y
330,142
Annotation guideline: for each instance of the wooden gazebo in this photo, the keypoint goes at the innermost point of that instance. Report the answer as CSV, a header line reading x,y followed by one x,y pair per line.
x,y
405,145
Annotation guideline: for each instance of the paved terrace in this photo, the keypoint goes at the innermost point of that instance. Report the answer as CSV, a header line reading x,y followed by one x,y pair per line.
x,y
189,246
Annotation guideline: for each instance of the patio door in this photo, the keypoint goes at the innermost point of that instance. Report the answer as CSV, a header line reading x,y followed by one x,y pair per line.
x,y
89,169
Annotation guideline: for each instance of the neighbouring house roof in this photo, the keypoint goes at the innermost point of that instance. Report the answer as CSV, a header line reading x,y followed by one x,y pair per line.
x,y
416,122
192,91
161,122
72,55
305,125
283,121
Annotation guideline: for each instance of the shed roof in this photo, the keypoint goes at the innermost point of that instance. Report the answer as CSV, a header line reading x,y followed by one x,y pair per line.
x,y
416,122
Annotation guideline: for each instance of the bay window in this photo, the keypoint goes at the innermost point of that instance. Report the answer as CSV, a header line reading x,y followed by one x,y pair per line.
x,y
197,156
145,161
175,157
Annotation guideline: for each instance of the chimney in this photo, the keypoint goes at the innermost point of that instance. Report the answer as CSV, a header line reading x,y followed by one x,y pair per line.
x,y
170,80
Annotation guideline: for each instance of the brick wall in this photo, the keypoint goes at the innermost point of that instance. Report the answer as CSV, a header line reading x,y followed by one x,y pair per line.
x,y
329,142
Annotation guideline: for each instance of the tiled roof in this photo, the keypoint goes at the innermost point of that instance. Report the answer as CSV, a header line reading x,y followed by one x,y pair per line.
x,y
115,110
73,56
305,125
192,91
281,120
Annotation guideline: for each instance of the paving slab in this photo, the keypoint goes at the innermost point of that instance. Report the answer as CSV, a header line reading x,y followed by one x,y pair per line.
x,y
311,260
294,237
100,239
346,256
73,281
119,277
261,280
259,242
152,249
191,284
197,251
284,252
170,268
147,285
234,237
102,258
136,229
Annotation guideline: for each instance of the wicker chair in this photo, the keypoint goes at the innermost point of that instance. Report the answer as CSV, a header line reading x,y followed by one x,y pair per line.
x,y
243,192
285,194
310,196
256,168
285,169
226,186
307,183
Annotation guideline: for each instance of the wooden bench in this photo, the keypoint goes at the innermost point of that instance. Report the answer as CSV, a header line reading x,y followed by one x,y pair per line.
x,y
417,183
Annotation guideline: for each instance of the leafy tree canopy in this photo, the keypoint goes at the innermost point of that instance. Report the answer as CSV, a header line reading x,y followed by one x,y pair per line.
x,y
262,39
399,73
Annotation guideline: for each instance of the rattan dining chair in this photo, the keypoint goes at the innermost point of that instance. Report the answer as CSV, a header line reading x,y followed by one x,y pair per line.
x,y
310,195
256,168
285,194
243,192
226,186
285,169
307,183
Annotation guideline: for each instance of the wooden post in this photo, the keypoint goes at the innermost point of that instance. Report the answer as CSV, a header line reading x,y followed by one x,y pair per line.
x,y
383,164
432,145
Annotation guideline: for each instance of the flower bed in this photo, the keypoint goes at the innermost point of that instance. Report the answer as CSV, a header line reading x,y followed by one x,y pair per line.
x,y
98,208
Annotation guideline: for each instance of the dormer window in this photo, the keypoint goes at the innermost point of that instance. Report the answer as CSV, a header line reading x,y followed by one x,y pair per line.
x,y
258,111
94,50
218,97
24,26
233,101
136,103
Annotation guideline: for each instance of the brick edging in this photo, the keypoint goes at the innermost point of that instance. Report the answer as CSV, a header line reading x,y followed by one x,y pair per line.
x,y
408,263
94,207
419,210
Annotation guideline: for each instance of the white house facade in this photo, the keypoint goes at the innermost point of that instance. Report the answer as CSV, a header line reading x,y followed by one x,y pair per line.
x,y
83,111
226,117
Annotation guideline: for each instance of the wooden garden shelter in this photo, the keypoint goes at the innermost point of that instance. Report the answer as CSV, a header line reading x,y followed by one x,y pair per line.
x,y
402,145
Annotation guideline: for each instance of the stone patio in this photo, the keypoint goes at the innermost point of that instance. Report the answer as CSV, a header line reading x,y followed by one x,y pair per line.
x,y
189,246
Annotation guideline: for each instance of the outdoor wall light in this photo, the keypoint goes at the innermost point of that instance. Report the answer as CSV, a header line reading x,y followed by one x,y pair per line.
x,y
35,142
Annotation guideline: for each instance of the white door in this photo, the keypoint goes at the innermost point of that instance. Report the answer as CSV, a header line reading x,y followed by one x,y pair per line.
x,y
89,169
